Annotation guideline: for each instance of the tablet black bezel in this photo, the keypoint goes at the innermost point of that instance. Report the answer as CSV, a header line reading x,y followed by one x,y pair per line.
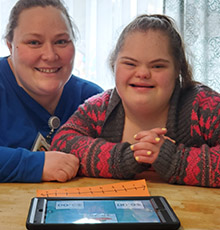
x,y
160,204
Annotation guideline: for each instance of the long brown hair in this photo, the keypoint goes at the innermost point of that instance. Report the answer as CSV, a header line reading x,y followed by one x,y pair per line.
x,y
165,24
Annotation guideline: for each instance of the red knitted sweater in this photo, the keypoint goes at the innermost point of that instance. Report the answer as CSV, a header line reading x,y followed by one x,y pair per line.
x,y
94,134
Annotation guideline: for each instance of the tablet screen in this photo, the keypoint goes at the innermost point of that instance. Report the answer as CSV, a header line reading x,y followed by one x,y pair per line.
x,y
100,211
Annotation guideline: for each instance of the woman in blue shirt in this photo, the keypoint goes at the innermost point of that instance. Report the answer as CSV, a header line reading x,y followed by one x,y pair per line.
x,y
36,87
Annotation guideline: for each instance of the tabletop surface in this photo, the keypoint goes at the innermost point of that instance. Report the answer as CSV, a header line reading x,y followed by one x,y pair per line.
x,y
196,207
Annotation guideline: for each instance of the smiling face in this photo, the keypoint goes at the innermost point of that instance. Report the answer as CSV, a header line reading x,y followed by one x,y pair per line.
x,y
145,72
42,52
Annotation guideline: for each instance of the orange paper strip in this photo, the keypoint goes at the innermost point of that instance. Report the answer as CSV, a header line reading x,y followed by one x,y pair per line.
x,y
130,188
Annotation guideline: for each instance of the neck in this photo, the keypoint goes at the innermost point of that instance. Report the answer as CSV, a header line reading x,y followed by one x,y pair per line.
x,y
148,122
136,122
49,104
147,119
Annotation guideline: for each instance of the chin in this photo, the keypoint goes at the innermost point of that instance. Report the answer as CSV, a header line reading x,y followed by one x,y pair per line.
x,y
51,89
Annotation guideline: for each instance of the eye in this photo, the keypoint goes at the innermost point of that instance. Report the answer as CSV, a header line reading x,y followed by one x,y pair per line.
x,y
158,66
34,43
129,63
62,42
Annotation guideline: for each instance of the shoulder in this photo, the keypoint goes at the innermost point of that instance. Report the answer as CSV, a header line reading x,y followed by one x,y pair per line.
x,y
2,59
82,84
199,94
201,100
100,99
206,97
3,62
5,74
80,89
95,107
103,103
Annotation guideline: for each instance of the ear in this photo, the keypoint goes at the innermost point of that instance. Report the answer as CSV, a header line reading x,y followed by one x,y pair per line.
x,y
9,46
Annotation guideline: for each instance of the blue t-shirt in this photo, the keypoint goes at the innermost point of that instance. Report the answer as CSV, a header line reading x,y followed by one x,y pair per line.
x,y
22,118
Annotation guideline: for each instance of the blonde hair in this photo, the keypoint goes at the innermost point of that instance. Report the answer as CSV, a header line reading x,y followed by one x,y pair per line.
x,y
27,4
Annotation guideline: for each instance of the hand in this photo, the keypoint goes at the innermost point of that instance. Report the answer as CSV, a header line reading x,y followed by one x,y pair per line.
x,y
59,166
148,144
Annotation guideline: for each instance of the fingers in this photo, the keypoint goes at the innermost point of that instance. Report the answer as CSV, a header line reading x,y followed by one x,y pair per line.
x,y
146,152
148,144
59,166
69,170
62,176
152,138
148,159
145,146
153,134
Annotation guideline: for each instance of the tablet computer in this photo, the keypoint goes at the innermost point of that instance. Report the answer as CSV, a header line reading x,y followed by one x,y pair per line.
x,y
87,213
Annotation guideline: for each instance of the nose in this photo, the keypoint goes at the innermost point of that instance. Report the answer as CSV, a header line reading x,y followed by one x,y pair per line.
x,y
49,52
143,72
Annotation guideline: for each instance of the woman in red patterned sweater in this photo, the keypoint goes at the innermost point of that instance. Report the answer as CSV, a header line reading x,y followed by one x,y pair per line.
x,y
156,115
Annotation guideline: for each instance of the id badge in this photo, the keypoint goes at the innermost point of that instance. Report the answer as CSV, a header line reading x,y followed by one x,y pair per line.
x,y
40,144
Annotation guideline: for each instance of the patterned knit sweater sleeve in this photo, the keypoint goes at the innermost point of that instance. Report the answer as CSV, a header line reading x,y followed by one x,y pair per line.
x,y
195,125
81,136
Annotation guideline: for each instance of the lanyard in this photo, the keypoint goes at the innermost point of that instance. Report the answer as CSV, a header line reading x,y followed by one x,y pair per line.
x,y
53,123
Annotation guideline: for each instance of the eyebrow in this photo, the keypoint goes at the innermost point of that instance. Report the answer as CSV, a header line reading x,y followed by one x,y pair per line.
x,y
128,58
160,60
39,35
154,61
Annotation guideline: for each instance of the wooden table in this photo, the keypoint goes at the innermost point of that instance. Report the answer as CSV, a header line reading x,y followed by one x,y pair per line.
x,y
197,208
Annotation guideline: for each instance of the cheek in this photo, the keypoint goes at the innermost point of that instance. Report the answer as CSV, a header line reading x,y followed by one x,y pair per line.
x,y
68,55
24,56
168,86
167,80
121,76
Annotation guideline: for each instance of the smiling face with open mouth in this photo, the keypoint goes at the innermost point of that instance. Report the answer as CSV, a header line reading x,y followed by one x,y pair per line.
x,y
42,52
145,72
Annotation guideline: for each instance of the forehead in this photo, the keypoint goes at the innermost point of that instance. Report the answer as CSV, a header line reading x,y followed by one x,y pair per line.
x,y
42,17
146,38
152,42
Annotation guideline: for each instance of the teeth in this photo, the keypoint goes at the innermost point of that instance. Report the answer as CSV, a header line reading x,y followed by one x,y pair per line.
x,y
141,86
48,70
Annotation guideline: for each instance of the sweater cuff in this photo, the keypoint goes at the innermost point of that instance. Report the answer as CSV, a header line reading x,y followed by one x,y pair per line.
x,y
21,165
128,166
165,164
33,166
